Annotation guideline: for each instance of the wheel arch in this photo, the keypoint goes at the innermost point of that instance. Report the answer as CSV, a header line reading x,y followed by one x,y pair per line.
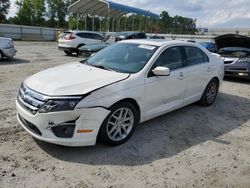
x,y
215,78
131,101
80,45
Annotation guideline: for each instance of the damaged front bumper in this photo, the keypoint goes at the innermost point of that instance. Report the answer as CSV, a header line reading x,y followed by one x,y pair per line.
x,y
84,124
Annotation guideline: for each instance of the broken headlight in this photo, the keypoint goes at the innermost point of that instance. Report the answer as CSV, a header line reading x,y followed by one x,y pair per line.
x,y
55,105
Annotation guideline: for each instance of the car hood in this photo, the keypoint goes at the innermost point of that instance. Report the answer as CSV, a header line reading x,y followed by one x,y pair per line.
x,y
72,79
232,40
94,47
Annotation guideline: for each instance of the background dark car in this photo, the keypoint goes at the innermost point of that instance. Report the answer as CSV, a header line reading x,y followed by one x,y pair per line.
x,y
111,39
156,37
235,49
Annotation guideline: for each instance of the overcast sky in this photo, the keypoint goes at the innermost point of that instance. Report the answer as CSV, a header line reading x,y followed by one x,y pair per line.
x,y
209,13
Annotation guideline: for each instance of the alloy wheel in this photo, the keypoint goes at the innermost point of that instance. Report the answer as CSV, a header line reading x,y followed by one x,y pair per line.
x,y
120,124
211,92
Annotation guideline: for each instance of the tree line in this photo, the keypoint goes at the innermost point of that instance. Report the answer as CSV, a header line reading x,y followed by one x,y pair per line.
x,y
54,13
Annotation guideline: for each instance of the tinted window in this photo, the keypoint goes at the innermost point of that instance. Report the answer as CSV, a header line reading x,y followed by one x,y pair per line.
x,y
171,58
90,36
83,35
141,36
95,36
195,56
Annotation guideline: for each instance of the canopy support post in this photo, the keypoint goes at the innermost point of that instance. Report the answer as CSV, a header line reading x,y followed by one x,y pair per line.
x,y
108,19
119,24
132,22
125,23
69,20
152,25
113,25
140,23
93,23
86,21
77,21
100,23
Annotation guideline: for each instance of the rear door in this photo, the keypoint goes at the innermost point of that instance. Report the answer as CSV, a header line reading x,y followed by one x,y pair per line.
x,y
198,71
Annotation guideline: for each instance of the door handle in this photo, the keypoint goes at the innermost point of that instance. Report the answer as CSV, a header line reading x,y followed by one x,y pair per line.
x,y
209,69
181,76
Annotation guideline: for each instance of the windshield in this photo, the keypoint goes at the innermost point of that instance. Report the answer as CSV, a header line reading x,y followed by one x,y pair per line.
x,y
235,51
123,57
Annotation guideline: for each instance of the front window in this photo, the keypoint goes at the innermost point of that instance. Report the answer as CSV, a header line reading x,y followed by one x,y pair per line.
x,y
171,58
123,57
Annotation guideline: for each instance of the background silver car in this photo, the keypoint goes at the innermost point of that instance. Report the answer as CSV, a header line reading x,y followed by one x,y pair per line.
x,y
7,48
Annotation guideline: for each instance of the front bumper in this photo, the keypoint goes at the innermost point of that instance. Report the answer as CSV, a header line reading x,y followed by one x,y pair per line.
x,y
40,125
10,52
237,70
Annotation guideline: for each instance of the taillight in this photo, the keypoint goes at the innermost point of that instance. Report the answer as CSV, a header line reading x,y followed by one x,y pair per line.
x,y
69,36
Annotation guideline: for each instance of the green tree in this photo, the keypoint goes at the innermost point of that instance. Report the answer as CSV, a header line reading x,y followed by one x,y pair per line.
x,y
58,12
31,12
4,8
25,12
39,12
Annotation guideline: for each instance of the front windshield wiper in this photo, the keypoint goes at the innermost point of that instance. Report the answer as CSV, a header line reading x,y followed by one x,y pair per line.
x,y
85,61
102,67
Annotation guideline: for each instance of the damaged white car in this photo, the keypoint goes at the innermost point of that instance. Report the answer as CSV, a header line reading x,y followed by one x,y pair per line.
x,y
106,96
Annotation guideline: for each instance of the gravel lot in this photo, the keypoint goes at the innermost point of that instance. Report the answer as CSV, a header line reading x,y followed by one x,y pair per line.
x,y
191,147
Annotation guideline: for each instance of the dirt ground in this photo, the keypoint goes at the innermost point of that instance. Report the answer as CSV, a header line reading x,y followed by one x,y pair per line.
x,y
191,147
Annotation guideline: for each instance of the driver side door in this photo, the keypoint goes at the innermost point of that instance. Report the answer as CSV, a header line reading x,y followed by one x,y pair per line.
x,y
165,93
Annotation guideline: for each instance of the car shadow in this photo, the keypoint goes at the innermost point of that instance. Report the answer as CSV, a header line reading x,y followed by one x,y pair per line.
x,y
164,136
13,61
237,80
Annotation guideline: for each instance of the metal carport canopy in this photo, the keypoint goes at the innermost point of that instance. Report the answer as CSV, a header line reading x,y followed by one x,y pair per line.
x,y
107,9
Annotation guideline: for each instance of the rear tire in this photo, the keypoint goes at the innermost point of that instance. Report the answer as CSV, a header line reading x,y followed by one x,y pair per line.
x,y
78,51
69,53
119,125
210,93
1,55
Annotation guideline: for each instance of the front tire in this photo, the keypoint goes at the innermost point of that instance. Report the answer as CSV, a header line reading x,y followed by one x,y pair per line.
x,y
119,125
210,93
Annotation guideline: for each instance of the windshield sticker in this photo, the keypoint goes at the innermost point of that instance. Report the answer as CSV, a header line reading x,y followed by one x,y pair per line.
x,y
146,47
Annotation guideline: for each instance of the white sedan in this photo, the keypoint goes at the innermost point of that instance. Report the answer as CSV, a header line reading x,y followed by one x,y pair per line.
x,y
106,96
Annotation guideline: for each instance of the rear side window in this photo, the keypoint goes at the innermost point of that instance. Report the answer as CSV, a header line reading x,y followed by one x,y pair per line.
x,y
90,36
83,35
195,56
141,36
96,37
171,58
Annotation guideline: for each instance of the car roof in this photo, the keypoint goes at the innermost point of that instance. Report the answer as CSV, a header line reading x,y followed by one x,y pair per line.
x,y
77,31
127,33
158,42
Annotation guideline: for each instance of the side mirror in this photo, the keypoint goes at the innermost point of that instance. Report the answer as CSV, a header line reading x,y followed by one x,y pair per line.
x,y
161,71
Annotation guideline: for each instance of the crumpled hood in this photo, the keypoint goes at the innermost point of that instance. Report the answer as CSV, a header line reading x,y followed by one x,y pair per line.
x,y
232,40
72,79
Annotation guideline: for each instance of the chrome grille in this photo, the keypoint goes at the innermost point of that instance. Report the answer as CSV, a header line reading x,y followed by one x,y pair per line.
x,y
30,99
